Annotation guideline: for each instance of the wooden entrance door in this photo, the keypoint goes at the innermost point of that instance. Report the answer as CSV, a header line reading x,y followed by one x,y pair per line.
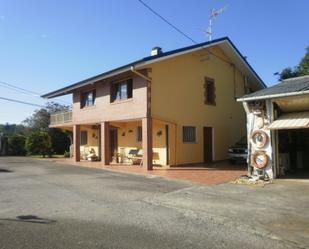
x,y
208,144
113,145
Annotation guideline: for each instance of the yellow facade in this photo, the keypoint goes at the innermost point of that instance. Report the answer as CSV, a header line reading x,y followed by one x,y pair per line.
x,y
127,139
171,91
177,97
93,136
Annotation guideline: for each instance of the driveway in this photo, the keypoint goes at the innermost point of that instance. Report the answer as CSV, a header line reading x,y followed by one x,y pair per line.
x,y
210,174
49,205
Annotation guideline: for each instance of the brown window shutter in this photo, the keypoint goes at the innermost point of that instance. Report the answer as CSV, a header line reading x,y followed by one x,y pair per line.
x,y
209,91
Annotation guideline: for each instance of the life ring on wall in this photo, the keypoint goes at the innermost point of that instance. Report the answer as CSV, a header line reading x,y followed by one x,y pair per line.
x,y
259,138
259,159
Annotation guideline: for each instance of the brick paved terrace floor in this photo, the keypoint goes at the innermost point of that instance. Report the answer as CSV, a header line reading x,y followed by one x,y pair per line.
x,y
210,174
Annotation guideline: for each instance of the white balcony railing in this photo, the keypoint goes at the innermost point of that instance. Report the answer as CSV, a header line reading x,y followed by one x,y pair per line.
x,y
61,117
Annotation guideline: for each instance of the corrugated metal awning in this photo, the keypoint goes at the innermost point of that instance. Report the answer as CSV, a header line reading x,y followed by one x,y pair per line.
x,y
295,120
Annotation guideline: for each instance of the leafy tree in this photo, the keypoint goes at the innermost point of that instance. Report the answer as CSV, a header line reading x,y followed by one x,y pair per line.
x,y
300,70
39,142
60,140
304,64
16,144
16,135
9,129
40,121
288,73
41,118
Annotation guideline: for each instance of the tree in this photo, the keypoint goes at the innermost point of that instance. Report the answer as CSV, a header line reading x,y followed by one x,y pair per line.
x,y
39,142
288,73
60,140
10,129
41,118
40,121
304,64
300,70
16,144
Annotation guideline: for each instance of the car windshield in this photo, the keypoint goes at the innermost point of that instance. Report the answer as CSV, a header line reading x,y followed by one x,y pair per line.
x,y
242,141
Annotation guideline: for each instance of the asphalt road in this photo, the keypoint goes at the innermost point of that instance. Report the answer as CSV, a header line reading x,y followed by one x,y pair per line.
x,y
48,205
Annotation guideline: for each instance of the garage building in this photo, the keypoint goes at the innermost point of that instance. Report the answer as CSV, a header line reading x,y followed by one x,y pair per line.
x,y
278,129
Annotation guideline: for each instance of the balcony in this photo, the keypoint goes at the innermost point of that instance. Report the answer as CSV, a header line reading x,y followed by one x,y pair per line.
x,y
59,118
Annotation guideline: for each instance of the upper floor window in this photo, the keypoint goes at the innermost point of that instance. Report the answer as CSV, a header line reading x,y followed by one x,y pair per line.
x,y
121,90
210,91
88,98
189,134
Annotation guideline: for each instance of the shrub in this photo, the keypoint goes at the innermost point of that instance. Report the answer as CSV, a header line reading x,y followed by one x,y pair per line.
x,y
16,144
39,143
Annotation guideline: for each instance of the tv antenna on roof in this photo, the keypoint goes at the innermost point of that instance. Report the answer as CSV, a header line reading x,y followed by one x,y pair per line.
x,y
213,13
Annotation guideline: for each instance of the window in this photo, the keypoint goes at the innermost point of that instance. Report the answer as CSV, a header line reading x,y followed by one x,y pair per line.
x,y
210,91
121,90
83,138
189,134
88,98
139,135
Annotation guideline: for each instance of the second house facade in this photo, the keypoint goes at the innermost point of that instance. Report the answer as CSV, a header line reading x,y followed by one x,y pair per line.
x,y
171,108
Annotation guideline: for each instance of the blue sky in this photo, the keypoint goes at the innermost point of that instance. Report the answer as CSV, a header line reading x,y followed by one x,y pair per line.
x,y
45,45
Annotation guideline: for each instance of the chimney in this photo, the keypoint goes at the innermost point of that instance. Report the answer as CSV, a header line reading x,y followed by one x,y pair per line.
x,y
156,51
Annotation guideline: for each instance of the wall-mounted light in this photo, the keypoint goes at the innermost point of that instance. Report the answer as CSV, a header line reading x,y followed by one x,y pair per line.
x,y
130,131
123,134
159,133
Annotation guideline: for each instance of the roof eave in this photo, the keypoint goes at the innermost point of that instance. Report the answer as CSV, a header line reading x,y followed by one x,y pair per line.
x,y
258,78
273,96
149,60
92,80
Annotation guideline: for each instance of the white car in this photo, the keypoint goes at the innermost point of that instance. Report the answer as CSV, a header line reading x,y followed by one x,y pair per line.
x,y
238,152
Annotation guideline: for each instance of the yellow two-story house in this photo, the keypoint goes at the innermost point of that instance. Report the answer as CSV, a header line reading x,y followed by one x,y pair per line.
x,y
170,108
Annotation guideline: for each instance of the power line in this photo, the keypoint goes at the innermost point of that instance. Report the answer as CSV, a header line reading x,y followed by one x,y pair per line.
x,y
19,88
21,102
178,30
25,91
165,20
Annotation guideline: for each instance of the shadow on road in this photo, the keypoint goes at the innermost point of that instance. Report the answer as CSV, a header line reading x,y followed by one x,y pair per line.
x,y
31,219
5,171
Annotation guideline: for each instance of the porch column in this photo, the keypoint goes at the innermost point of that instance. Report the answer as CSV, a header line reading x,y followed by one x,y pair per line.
x,y
147,143
105,150
76,141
